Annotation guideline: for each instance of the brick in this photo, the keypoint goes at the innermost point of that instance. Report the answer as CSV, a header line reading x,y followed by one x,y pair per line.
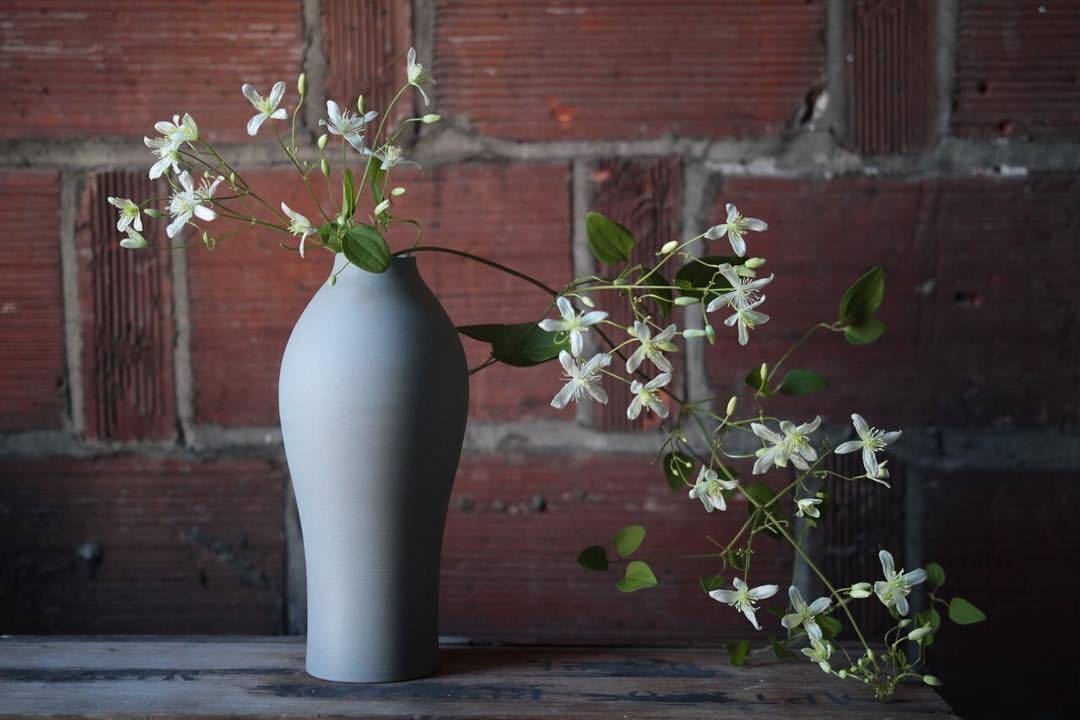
x,y
126,312
32,392
890,75
141,545
509,571
366,43
1016,69
645,196
71,69
537,71
959,349
246,295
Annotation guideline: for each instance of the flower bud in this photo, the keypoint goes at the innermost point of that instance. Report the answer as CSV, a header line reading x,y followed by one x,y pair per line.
x,y
382,207
360,104
333,280
693,333
323,139
397,192
232,179
919,633
731,405
301,84
587,301
842,674
763,373
904,623
931,680
710,334
684,300
668,247
860,590
325,167
152,212
754,263
431,118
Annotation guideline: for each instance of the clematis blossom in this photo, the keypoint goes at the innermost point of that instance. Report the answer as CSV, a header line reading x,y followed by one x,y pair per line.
x,y
575,325
742,598
267,108
582,379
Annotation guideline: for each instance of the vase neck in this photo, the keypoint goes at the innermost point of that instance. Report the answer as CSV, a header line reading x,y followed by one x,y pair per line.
x,y
402,269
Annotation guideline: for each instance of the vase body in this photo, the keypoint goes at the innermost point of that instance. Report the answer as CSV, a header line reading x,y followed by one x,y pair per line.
x,y
373,396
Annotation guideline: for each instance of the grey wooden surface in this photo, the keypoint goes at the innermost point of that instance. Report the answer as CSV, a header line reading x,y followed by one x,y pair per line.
x,y
264,677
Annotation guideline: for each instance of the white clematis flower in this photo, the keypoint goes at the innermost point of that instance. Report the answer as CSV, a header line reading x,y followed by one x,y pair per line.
x,y
415,74
646,396
267,108
735,227
350,127
180,130
819,652
298,225
188,202
871,441
709,489
130,214
651,348
168,156
747,318
573,324
744,293
742,598
390,157
804,614
807,507
794,445
134,240
894,589
582,378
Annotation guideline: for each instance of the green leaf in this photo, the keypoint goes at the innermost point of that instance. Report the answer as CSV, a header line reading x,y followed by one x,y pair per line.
x,y
639,576
593,557
712,582
376,178
762,518
802,382
520,345
963,612
365,248
866,333
629,539
932,618
757,382
609,241
830,626
328,233
348,194
863,298
696,276
737,651
736,558
677,469
779,649
935,575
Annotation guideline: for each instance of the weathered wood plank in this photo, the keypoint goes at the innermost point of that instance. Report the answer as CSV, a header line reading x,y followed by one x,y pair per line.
x,y
211,677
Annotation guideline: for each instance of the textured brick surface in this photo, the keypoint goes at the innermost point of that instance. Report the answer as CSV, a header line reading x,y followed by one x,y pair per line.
x,y
126,312
116,68
31,310
991,531
890,75
138,545
247,294
509,571
646,197
540,70
366,43
1017,69
957,254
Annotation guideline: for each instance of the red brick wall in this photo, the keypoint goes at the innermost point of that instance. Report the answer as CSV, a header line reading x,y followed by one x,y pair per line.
x,y
142,486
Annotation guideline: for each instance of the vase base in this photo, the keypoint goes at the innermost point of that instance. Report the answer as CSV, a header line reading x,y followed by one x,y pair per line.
x,y
366,677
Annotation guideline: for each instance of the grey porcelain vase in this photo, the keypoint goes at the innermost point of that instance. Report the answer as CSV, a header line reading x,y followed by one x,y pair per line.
x,y
373,397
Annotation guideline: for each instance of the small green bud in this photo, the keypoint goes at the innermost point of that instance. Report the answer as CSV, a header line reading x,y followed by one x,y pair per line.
x,y
152,212
842,674
382,207
232,179
587,301
763,372
860,590
931,680
333,280
754,263
919,633
360,104
208,241
431,118
693,333
325,167
301,84
684,300
904,623
668,247
397,192
323,139
731,405
710,334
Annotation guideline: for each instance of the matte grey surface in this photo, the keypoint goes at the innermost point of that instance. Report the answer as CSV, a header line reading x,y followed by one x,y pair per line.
x,y
373,397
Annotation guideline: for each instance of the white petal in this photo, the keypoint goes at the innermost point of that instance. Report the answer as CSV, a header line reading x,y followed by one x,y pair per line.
x,y
755,224
820,605
137,223
732,211
744,336
737,242
870,462
749,613
597,361
591,318
562,398
763,432
279,114
565,308
901,605
890,437
598,393
302,239
187,182
255,123
796,598
634,362
423,95
762,464
658,407
333,112
634,410
860,424
276,93
763,591
659,381
813,631
204,213
551,325
887,565
848,447
790,621
177,224
577,342
251,94
660,361
914,577
724,596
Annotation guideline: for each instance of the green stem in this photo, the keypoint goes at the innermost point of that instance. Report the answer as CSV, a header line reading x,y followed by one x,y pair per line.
x,y
483,261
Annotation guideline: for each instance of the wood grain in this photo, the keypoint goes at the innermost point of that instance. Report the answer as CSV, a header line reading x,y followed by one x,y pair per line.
x,y
44,677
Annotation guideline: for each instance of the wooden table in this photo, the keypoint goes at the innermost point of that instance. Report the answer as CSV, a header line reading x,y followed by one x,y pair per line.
x,y
264,677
